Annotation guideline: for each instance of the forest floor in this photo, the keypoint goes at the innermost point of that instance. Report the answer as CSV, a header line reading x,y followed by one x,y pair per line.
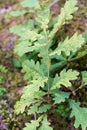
x,y
13,79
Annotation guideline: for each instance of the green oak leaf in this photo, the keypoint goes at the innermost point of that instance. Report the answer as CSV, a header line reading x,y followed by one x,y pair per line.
x,y
84,77
65,15
31,3
45,124
60,96
33,124
79,113
64,78
69,45
44,108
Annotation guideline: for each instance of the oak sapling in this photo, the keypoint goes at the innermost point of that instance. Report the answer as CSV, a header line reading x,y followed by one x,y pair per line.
x,y
45,67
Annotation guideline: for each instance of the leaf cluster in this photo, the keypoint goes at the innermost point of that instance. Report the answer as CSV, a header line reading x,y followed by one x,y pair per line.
x,y
45,67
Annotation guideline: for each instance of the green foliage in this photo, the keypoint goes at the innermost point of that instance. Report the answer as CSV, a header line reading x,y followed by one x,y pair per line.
x,y
3,71
63,110
84,77
83,51
45,65
33,125
64,78
45,124
80,114
2,91
60,96
69,45
85,36
65,14
18,13
30,3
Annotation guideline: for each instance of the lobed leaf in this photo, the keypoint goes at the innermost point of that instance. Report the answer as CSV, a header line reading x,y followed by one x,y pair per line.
x,y
44,108
33,125
45,124
20,105
26,46
31,94
79,113
43,19
30,3
64,78
65,15
69,45
34,108
33,69
60,96
22,28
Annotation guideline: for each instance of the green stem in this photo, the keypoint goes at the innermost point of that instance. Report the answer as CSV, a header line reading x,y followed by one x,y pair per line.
x,y
48,58
73,59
